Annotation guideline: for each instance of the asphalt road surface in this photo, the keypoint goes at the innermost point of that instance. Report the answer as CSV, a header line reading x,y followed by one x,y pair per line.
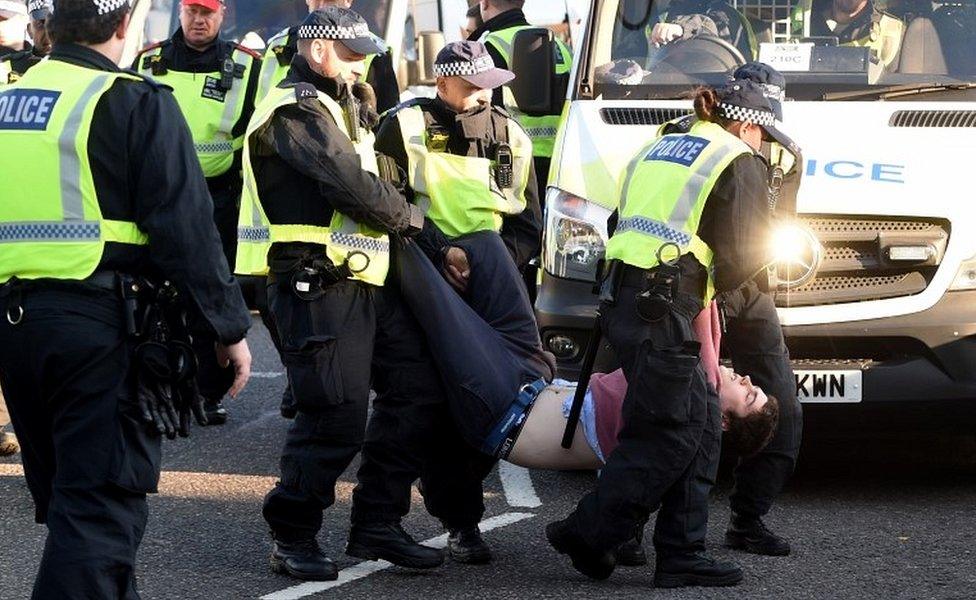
x,y
881,506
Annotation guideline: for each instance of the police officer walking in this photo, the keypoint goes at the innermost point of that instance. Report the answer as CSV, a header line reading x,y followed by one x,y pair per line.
x,y
105,185
469,167
316,215
16,53
214,82
692,204
377,70
754,341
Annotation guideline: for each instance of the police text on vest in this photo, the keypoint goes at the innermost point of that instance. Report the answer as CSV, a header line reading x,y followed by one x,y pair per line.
x,y
26,109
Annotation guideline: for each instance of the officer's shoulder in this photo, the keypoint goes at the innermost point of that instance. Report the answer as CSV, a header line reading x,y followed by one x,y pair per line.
x,y
500,110
252,53
136,78
160,45
305,91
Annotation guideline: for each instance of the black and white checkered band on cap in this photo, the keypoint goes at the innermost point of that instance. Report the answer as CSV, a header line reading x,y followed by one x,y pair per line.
x,y
333,32
740,113
36,5
104,7
475,66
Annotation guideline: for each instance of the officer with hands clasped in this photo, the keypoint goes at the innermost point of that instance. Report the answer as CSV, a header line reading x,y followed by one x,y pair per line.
x,y
469,167
692,204
103,199
316,215
214,82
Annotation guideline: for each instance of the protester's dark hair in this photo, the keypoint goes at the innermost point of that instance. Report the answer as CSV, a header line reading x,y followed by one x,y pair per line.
x,y
706,106
67,29
475,13
748,435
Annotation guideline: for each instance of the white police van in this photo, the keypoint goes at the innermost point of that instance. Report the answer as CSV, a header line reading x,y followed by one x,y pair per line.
x,y
887,306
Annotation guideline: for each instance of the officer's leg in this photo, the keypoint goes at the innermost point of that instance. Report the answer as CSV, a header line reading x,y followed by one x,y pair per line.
x,y
72,388
755,342
327,345
408,393
288,409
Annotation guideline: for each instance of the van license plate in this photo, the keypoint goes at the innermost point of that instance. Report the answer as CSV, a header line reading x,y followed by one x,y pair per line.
x,y
828,386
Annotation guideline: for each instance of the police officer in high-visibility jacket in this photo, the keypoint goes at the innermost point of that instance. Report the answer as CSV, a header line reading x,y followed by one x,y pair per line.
x,y
377,70
503,19
104,185
693,219
317,219
754,341
214,82
469,166
854,23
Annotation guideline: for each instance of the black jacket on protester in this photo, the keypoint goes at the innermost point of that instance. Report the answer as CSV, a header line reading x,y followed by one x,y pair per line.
x,y
145,170
306,167
469,134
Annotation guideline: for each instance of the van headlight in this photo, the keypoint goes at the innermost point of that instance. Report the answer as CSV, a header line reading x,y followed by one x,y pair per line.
x,y
965,276
796,255
575,237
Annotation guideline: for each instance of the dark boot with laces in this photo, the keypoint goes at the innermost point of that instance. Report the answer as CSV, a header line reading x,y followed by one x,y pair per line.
x,y
302,559
750,534
388,541
467,546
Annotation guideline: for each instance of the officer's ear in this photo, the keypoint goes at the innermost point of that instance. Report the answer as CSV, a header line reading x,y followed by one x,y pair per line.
x,y
123,27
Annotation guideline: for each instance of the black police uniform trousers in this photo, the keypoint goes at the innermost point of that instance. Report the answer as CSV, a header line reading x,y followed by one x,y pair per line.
x,y
669,444
88,458
754,340
333,347
486,344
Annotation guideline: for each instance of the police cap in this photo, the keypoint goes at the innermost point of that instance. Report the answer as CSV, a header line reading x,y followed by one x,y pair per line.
x,y
341,25
40,9
86,9
771,81
470,61
743,100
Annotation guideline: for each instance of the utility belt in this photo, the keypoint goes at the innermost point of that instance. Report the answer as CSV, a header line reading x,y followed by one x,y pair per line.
x,y
660,289
308,273
502,438
95,285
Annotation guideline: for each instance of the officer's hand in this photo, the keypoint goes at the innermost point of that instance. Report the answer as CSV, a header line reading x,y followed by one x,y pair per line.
x,y
665,33
240,356
456,268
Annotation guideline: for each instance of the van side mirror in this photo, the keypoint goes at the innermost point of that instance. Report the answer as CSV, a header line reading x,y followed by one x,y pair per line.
x,y
421,71
537,89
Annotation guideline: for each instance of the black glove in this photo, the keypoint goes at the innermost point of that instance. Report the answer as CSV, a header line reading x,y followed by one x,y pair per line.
x,y
187,399
154,392
368,116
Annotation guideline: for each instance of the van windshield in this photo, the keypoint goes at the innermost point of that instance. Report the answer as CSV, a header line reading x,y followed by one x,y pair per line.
x,y
263,17
864,49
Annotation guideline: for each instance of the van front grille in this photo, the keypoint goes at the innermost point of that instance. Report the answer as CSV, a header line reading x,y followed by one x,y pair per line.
x,y
641,116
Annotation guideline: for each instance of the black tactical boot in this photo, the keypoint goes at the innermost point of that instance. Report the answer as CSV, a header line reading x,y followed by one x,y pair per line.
x,y
592,563
215,411
631,553
388,541
750,534
681,570
288,407
302,560
468,547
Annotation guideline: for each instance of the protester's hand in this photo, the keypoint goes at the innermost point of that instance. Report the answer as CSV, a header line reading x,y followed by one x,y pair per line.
x,y
665,33
456,268
238,355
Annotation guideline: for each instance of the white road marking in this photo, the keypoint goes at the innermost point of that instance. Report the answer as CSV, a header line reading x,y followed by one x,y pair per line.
x,y
366,568
266,374
517,483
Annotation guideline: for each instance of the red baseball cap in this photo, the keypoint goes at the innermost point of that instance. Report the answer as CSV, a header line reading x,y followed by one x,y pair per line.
x,y
211,4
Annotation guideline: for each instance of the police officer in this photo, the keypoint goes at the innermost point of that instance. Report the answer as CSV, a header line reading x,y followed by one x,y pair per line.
x,y
754,341
378,69
503,19
16,53
692,204
39,11
105,183
854,23
214,82
685,19
315,214
469,167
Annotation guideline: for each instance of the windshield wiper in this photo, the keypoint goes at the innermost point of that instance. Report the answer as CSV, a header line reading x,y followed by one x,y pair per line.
x,y
894,91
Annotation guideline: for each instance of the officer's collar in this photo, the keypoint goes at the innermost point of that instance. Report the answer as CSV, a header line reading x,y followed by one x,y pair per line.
x,y
473,123
83,57
509,18
301,71
179,42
